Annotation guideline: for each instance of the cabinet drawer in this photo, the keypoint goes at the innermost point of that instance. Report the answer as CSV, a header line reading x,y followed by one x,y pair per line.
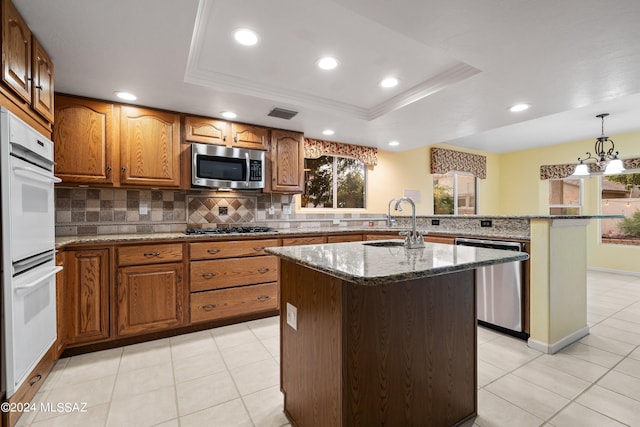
x,y
214,250
344,238
233,302
224,273
303,241
149,254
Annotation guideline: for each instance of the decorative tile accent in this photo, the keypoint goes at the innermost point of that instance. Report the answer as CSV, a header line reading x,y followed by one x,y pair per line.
x,y
209,211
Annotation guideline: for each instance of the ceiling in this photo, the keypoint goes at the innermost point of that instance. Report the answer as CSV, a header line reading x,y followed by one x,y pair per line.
x,y
460,63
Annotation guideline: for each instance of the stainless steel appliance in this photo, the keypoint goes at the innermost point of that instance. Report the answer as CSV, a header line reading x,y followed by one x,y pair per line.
x,y
28,247
216,166
499,290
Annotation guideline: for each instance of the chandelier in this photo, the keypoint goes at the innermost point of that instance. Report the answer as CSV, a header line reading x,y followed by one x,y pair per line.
x,y
607,160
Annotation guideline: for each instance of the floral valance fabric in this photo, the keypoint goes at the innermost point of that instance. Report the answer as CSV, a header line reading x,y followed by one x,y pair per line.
x,y
563,171
314,148
444,161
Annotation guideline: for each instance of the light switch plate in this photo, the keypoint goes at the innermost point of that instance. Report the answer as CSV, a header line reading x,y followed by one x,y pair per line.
x,y
292,316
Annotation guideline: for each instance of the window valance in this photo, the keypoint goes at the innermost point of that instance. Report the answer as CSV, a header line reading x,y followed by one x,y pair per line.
x,y
444,161
565,170
314,148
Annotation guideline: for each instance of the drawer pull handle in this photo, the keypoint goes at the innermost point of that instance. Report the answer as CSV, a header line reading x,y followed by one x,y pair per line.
x,y
208,275
263,270
35,379
213,251
150,254
263,298
258,248
208,307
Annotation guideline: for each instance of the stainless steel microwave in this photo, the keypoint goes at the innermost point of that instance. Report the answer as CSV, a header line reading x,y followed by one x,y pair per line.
x,y
215,166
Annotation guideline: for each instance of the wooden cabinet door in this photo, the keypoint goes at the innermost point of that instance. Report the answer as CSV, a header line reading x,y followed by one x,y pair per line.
x,y
249,136
150,297
285,169
149,147
16,51
87,296
84,137
42,82
208,131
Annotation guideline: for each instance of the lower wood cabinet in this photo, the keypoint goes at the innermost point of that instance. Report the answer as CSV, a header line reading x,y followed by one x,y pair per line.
x,y
86,296
150,298
224,303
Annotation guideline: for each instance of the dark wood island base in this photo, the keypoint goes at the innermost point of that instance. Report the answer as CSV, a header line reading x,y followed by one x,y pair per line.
x,y
396,354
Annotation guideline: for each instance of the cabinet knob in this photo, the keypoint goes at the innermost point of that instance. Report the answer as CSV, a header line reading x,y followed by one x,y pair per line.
x,y
35,379
263,298
224,138
208,275
213,251
123,169
263,270
235,138
39,87
150,254
208,307
109,170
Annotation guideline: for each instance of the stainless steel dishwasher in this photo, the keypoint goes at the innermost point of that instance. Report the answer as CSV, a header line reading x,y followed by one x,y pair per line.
x,y
499,290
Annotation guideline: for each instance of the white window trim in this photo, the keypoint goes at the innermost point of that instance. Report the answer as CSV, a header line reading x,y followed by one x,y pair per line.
x,y
334,187
455,191
578,206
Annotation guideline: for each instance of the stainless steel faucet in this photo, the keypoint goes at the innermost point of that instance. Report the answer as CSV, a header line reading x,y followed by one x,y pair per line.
x,y
414,238
391,221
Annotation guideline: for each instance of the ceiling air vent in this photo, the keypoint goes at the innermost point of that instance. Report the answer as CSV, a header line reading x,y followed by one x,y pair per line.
x,y
282,113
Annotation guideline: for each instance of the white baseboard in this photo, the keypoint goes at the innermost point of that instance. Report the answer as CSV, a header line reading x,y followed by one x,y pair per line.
x,y
611,270
560,344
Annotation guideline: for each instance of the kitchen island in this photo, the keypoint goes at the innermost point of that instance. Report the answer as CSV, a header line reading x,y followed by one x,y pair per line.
x,y
373,333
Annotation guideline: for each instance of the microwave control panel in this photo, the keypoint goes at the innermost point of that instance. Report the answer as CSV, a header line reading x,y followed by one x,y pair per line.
x,y
255,170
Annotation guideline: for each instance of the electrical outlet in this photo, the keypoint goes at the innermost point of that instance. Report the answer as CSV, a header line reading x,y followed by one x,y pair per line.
x,y
336,222
486,223
435,222
144,208
292,316
272,210
286,209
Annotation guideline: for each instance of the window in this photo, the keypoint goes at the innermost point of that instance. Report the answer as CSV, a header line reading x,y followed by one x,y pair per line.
x,y
454,193
565,196
334,182
620,195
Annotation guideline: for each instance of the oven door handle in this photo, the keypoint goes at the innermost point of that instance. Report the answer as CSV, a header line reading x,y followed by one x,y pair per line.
x,y
30,170
28,286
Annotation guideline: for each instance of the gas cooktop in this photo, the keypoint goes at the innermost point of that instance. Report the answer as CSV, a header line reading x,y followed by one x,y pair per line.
x,y
228,230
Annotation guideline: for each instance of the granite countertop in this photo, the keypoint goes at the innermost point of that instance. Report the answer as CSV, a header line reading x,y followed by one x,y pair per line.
x,y
363,264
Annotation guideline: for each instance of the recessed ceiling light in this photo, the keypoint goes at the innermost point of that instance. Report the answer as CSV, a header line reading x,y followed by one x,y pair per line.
x,y
389,82
327,63
394,143
328,132
126,96
229,115
246,37
519,107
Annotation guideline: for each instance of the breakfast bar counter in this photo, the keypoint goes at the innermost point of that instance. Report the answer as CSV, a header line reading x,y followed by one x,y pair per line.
x,y
373,333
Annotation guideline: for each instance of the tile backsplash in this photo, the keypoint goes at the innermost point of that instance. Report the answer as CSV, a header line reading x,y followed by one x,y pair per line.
x,y
84,211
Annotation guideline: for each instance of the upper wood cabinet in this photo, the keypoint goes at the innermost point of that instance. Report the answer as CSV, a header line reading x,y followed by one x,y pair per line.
x,y
285,167
149,147
84,137
220,132
42,82
16,51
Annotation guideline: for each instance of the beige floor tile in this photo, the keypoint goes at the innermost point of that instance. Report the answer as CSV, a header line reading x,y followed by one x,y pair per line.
x,y
27,417
604,329
90,366
624,325
630,367
130,383
197,366
539,401
205,392
579,368
635,354
624,384
256,376
552,379
245,354
55,374
145,354
229,414
628,315
488,373
504,356
611,404
266,407
189,345
265,328
576,415
494,411
233,335
608,344
592,354
171,423
272,345
95,416
142,410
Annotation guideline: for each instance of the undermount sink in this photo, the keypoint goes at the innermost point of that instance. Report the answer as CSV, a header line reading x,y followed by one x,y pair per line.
x,y
384,244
